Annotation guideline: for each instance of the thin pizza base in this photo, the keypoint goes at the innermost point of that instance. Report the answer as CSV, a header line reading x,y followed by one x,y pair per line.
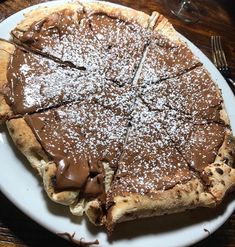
x,y
6,49
220,174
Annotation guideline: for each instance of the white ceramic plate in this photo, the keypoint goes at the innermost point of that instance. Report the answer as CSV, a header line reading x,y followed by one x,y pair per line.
x,y
23,188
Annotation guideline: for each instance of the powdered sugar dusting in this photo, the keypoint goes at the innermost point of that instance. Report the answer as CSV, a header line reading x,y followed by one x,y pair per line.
x,y
41,83
151,113
193,93
80,130
166,59
150,161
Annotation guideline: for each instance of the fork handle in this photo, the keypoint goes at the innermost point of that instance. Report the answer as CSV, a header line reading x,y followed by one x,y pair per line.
x,y
231,83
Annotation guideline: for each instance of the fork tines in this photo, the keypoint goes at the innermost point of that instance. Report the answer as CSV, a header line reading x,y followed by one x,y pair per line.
x,y
218,55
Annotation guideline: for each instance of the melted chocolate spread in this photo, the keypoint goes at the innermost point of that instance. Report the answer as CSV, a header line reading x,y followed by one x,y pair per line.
x,y
154,135
80,137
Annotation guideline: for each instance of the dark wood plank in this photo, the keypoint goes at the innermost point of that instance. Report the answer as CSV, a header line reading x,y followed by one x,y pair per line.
x,y
217,18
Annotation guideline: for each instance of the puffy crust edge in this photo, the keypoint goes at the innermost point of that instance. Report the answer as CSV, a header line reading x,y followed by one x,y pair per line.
x,y
6,49
26,142
162,25
42,12
181,197
117,11
124,13
221,179
220,175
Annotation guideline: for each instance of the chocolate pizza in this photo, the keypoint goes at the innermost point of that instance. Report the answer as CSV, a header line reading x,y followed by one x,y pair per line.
x,y
115,113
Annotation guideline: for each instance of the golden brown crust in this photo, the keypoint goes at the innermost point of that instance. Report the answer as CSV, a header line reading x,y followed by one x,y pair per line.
x,y
6,49
181,197
94,212
5,110
221,174
221,180
117,11
153,20
43,12
226,152
27,143
223,115
162,25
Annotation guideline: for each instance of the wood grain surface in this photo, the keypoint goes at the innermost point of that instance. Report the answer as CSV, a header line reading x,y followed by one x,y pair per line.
x,y
217,17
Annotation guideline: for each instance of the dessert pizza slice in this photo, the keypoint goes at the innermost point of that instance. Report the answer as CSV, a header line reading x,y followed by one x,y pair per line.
x,y
31,82
193,93
153,178
124,33
208,148
75,148
63,35
167,55
166,59
97,37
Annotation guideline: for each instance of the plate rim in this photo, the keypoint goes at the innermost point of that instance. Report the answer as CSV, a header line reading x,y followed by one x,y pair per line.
x,y
207,64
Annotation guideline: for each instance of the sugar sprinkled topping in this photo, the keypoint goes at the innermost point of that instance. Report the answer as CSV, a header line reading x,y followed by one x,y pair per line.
x,y
172,111
82,129
193,93
166,59
150,161
40,83
97,42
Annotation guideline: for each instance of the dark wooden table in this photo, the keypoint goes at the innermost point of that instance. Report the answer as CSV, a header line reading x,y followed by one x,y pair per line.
x,y
216,18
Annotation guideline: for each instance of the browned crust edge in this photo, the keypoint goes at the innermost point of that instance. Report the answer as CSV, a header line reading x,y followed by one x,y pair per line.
x,y
179,198
116,11
26,142
42,12
6,49
220,179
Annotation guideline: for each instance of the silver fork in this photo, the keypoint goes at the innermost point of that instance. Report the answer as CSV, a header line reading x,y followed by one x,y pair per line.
x,y
220,61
